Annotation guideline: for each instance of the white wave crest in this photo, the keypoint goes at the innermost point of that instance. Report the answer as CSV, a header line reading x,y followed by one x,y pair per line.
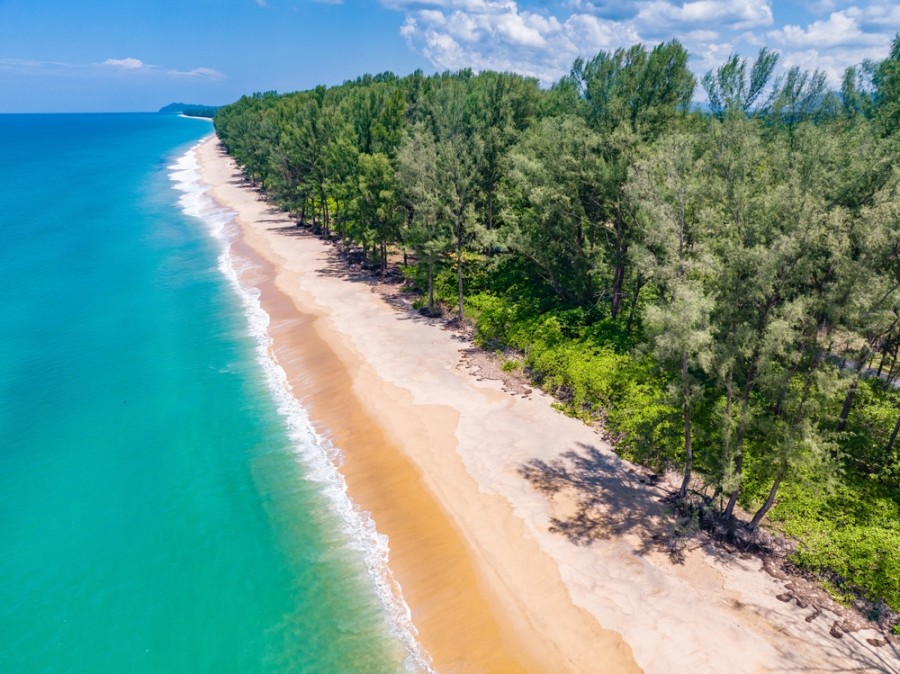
x,y
319,457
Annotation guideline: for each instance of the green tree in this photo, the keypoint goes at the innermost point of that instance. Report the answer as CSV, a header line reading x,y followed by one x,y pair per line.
x,y
672,255
429,233
499,108
631,97
456,171
730,88
377,206
886,82
553,199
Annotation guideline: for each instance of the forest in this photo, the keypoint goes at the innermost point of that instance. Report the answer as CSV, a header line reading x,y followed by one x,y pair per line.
x,y
719,287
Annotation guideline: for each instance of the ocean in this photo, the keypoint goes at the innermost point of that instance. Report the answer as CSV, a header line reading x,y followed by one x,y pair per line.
x,y
165,505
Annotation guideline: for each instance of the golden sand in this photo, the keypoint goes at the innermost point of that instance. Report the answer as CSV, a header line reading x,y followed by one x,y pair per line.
x,y
458,627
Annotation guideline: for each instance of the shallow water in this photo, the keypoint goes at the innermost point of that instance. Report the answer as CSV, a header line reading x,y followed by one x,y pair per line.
x,y
164,505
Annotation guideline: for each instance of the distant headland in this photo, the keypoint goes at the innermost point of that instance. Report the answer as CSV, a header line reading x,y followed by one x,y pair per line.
x,y
190,109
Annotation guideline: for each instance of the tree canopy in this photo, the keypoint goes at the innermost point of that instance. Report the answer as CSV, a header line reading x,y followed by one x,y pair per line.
x,y
723,289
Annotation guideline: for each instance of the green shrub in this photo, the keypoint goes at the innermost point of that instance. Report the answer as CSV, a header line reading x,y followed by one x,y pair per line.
x,y
850,533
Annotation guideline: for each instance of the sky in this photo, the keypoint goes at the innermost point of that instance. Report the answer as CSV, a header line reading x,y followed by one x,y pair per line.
x,y
139,55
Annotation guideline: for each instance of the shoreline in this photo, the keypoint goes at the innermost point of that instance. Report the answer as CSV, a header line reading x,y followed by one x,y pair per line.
x,y
436,453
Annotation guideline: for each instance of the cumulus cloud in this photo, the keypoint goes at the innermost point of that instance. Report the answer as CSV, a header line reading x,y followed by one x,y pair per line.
x,y
846,37
877,15
541,39
833,63
733,14
495,34
839,29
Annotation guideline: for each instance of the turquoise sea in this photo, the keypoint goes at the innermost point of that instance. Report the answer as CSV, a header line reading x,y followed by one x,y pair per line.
x,y
164,504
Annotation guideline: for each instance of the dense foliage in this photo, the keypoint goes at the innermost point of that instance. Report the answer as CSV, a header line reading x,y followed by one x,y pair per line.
x,y
722,289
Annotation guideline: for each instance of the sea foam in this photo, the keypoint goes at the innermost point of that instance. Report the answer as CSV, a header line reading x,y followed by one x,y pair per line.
x,y
318,456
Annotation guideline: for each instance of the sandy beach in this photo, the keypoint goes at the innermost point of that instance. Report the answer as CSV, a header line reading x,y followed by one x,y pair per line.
x,y
519,539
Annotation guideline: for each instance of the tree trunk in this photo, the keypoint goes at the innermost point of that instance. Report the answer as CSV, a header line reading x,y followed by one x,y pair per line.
x,y
618,282
851,394
459,279
896,361
638,284
770,500
621,257
686,408
848,404
431,288
890,444
739,446
732,500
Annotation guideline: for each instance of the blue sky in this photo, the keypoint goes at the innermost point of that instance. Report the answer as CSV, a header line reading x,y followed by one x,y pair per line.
x,y
101,55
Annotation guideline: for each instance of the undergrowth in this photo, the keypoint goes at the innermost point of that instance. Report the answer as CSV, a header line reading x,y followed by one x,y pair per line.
x,y
846,524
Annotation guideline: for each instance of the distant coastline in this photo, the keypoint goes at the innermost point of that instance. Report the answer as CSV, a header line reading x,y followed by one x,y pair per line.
x,y
190,110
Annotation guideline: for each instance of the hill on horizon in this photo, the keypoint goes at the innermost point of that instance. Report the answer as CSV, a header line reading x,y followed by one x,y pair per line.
x,y
191,109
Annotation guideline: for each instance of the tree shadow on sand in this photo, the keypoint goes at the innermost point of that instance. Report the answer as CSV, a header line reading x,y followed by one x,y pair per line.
x,y
607,498
349,264
596,496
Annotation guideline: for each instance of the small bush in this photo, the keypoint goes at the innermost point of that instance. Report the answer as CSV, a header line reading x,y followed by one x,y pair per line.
x,y
510,365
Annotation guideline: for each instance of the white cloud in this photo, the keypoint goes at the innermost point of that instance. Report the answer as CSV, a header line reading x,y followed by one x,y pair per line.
x,y
734,14
822,6
839,29
498,35
124,67
543,39
205,73
127,64
26,64
885,15
845,38
833,64
701,35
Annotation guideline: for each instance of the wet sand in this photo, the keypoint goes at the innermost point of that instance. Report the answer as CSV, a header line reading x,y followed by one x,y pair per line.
x,y
436,454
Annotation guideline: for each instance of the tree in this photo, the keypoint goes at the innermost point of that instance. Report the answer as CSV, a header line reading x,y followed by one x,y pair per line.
x,y
499,107
377,206
673,257
731,89
552,198
799,96
632,96
428,234
456,173
886,82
